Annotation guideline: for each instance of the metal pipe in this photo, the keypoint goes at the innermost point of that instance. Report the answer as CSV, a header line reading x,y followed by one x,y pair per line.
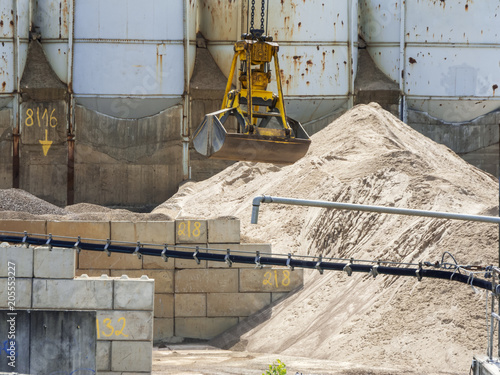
x,y
16,133
366,208
186,113
402,63
71,35
353,15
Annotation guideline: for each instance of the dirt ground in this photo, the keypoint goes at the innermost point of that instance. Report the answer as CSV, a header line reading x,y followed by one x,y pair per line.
x,y
356,324
203,359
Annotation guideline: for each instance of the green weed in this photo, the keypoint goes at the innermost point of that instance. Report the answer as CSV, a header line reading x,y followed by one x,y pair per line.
x,y
278,368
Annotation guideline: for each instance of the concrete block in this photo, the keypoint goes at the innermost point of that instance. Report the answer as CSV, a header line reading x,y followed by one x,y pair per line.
x,y
251,248
190,305
163,329
191,263
85,229
156,232
31,226
118,325
224,231
191,231
157,263
57,263
21,256
103,356
147,232
164,306
277,296
100,260
131,356
236,304
202,328
270,280
164,279
22,289
80,293
92,272
133,294
206,281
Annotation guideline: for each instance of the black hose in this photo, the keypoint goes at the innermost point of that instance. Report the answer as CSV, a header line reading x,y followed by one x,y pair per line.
x,y
204,254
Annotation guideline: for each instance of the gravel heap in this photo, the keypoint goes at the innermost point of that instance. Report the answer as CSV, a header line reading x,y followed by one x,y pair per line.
x,y
18,200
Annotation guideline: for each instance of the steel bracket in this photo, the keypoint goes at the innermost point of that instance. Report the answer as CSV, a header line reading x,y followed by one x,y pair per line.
x,y
137,250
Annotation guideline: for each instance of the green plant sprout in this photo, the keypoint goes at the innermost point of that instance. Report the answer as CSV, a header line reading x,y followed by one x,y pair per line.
x,y
278,368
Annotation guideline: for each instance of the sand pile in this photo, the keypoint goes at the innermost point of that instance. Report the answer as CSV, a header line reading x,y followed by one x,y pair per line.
x,y
367,156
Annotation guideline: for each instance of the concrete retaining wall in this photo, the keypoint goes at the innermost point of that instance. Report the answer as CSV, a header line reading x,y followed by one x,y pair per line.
x,y
122,307
197,301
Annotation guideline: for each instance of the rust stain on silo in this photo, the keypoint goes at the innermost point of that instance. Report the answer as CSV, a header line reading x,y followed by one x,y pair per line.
x,y
412,60
495,86
65,17
4,85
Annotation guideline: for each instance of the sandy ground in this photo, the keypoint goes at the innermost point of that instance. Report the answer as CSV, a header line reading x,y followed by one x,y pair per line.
x,y
367,156
201,359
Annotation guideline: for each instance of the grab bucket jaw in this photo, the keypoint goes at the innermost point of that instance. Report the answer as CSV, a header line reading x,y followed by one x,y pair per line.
x,y
213,141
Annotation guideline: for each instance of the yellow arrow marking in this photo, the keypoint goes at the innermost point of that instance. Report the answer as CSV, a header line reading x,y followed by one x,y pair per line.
x,y
46,143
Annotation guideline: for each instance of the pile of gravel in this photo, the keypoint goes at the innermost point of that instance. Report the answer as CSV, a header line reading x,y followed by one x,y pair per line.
x,y
21,201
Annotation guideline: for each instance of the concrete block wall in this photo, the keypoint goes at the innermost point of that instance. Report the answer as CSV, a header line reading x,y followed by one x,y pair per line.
x,y
45,280
191,300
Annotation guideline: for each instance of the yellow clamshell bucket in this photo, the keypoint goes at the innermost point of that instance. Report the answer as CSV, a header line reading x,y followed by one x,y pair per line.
x,y
265,134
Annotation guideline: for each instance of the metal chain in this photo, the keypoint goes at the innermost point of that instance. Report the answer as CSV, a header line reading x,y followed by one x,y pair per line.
x,y
252,17
262,14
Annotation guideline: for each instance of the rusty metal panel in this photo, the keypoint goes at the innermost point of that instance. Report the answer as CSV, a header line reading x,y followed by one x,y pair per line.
x,y
57,55
379,21
53,21
52,18
129,56
458,21
450,51
139,20
219,21
126,68
7,72
10,33
313,21
7,19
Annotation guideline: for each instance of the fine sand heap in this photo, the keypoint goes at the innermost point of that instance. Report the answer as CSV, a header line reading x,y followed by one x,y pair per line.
x,y
369,157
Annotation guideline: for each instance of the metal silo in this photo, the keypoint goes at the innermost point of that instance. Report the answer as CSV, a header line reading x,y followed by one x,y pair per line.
x,y
318,48
447,51
14,41
129,57
54,23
